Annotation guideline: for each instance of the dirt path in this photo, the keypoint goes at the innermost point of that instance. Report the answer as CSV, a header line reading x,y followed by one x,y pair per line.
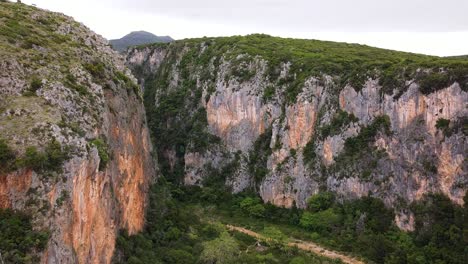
x,y
303,245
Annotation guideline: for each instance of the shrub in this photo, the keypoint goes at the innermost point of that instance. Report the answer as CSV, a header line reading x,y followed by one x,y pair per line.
x,y
18,240
33,159
432,82
274,237
361,142
443,125
258,156
340,119
36,84
309,152
320,201
7,157
50,160
55,155
64,195
220,250
102,149
252,207
320,221
96,69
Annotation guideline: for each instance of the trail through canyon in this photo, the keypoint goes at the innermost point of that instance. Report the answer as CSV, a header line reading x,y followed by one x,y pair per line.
x,y
303,245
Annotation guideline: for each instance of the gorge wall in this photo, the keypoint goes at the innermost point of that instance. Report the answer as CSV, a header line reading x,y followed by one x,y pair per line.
x,y
62,85
289,118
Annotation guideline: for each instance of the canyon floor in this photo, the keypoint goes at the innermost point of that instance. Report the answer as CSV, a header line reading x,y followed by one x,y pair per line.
x,y
303,245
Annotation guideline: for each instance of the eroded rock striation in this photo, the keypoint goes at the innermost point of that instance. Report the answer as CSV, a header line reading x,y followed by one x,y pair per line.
x,y
62,83
289,118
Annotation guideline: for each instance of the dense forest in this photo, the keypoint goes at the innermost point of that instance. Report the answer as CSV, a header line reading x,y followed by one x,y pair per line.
x,y
186,225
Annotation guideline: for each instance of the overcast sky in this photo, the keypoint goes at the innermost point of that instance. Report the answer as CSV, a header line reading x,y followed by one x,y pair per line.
x,y
436,27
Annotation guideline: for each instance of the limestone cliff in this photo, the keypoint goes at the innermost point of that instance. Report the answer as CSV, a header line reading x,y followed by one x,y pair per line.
x,y
289,118
61,83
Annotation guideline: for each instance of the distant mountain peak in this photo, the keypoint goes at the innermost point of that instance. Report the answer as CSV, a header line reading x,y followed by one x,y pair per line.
x,y
136,38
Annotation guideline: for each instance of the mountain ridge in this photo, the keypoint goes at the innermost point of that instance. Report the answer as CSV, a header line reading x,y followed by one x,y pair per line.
x,y
136,38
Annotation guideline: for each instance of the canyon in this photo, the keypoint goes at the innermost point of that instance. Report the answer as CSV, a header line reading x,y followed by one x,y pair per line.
x,y
87,130
304,139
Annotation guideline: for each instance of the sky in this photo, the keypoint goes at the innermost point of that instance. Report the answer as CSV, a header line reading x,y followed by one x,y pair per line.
x,y
434,27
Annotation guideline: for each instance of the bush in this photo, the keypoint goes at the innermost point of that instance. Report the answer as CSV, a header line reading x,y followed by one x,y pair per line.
x,y
360,143
220,250
18,240
309,152
432,82
252,207
7,157
36,84
320,201
258,156
340,119
34,159
274,237
50,160
96,69
321,221
443,125
102,149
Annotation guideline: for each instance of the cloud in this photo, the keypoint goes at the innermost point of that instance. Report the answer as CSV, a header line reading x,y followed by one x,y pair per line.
x,y
429,27
317,15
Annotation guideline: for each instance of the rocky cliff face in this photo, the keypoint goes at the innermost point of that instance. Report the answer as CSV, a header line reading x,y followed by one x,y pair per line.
x,y
288,133
60,82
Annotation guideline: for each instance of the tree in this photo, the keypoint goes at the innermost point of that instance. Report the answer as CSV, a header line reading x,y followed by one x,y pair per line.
x,y
274,237
7,156
320,221
220,250
252,207
320,201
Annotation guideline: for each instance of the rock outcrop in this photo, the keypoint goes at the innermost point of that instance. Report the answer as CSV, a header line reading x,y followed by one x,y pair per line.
x,y
61,82
323,130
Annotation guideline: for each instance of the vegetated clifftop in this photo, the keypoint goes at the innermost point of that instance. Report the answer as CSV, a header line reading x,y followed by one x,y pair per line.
x,y
289,118
137,38
75,149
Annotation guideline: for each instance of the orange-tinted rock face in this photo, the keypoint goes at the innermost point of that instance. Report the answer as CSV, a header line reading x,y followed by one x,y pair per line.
x,y
81,205
301,122
130,193
13,186
93,228
237,118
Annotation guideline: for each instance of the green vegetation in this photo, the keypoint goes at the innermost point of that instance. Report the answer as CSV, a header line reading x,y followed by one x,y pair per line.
x,y
355,145
71,82
309,152
51,159
448,127
103,152
36,84
339,120
360,157
7,157
313,58
178,118
179,230
19,243
120,76
320,202
64,195
185,225
258,156
252,207
443,125
97,69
